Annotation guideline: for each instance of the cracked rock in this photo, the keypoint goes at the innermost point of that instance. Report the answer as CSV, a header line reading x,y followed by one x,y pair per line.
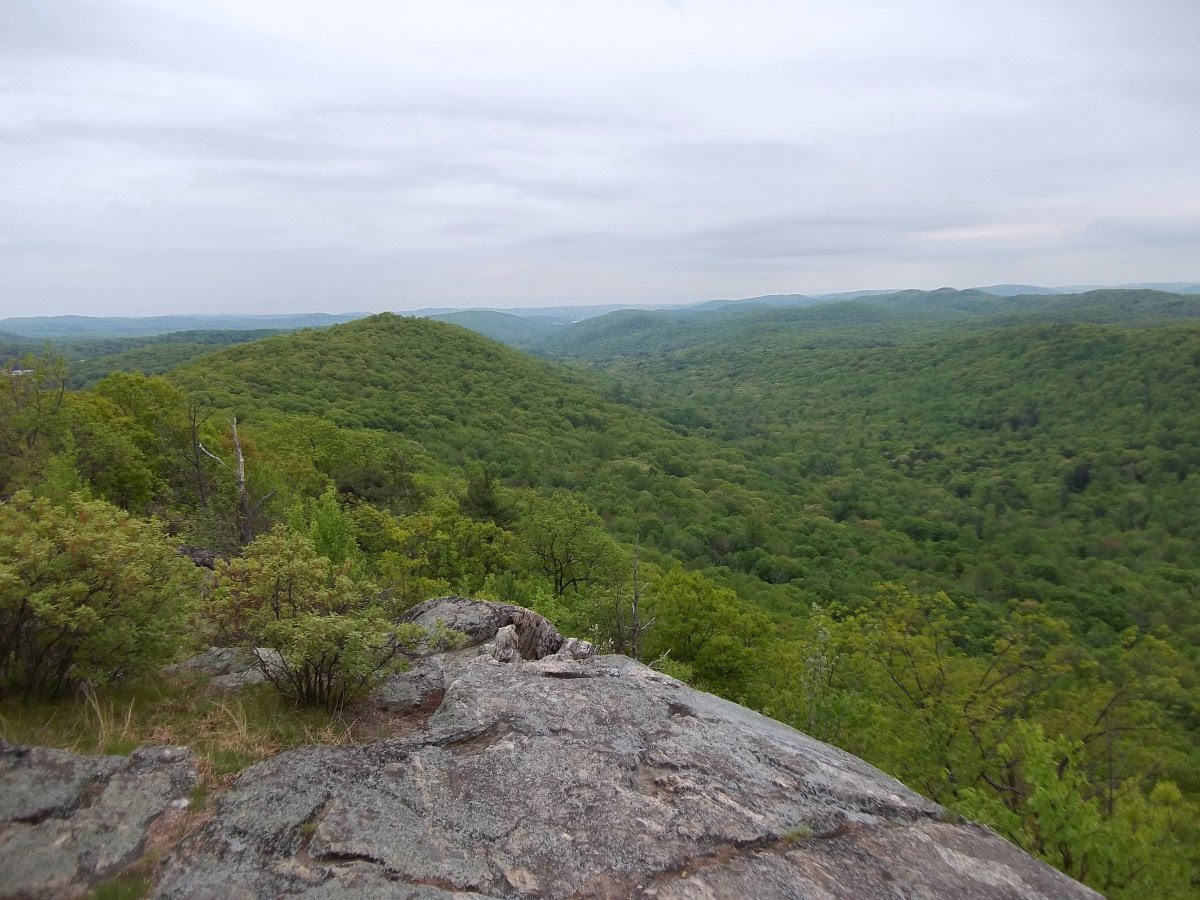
x,y
591,777
504,647
68,821
560,774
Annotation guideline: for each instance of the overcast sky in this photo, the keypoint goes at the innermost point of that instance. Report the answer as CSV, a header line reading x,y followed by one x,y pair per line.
x,y
245,156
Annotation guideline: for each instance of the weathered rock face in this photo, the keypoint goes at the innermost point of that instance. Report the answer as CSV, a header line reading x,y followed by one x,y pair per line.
x,y
591,777
67,821
535,637
561,774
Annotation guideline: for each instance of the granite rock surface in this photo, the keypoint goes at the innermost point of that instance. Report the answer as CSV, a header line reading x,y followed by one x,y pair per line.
x,y
530,767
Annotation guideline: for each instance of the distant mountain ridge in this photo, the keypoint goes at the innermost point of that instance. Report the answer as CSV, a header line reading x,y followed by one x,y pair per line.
x,y
527,328
522,332
66,327
871,320
1014,290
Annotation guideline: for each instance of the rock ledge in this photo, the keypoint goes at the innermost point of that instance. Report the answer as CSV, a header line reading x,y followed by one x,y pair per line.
x,y
555,774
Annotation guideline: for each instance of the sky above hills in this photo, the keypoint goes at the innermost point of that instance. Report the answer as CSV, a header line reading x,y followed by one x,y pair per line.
x,y
230,156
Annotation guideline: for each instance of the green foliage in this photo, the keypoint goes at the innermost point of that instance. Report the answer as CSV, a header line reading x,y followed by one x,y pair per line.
x,y
86,593
705,627
902,684
32,393
482,499
1023,484
121,887
279,576
877,321
334,639
330,660
953,709
437,550
330,529
567,543
462,398
1130,843
800,683
97,358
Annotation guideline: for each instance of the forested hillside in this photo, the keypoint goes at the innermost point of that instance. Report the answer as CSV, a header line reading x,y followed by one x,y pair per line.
x,y
91,358
883,319
953,533
522,332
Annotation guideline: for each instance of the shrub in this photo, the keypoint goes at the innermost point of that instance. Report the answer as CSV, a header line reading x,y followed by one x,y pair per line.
x,y
86,593
333,638
331,660
279,576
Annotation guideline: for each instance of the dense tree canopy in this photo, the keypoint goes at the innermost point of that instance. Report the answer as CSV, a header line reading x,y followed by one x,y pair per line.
x,y
954,534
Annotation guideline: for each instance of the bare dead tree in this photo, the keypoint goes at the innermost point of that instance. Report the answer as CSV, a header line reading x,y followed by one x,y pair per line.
x,y
247,507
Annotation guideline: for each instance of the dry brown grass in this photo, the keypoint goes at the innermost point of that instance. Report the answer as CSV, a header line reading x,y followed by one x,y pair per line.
x,y
227,732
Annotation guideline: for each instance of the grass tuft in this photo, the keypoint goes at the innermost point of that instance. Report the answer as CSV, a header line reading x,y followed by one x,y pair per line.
x,y
121,887
799,833
227,732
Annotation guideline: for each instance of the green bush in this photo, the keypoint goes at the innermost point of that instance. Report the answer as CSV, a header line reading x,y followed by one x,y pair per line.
x,y
86,593
333,636
331,660
279,576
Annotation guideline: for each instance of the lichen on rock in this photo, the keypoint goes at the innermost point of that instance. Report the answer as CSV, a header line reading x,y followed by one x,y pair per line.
x,y
554,772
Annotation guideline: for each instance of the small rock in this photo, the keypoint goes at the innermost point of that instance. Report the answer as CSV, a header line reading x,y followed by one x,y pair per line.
x,y
409,690
215,661
268,661
575,648
235,681
201,556
480,620
504,648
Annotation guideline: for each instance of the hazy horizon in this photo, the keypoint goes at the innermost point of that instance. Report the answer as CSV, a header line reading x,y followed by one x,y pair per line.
x,y
592,308
272,157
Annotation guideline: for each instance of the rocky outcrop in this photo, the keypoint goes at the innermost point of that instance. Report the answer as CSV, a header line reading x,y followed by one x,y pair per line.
x,y
201,556
68,821
564,774
478,622
229,668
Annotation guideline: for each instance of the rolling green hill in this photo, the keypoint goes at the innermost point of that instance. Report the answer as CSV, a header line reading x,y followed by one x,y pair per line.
x,y
461,396
864,321
958,449
952,532
522,332
91,360
1020,462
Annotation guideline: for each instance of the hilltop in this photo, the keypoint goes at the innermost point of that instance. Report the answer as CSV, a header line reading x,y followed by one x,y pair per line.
x,y
863,321
946,531
459,395
558,774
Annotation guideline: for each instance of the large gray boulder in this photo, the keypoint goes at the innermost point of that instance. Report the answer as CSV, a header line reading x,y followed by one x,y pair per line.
x,y
520,766
555,776
68,821
479,621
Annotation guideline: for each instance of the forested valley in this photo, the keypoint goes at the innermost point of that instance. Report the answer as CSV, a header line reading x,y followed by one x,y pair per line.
x,y
952,533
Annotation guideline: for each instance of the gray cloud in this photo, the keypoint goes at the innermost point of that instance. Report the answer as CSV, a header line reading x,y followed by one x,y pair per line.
x,y
292,155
